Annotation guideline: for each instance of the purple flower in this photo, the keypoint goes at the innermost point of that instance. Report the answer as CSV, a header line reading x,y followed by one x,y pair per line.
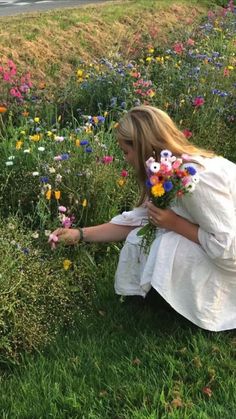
x,y
88,150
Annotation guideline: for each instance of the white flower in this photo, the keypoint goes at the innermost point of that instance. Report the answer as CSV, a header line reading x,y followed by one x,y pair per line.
x,y
52,170
59,139
47,233
11,157
35,173
41,148
27,150
11,226
35,235
58,178
9,163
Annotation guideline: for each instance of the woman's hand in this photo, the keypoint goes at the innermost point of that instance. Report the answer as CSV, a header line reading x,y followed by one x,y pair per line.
x,y
67,236
163,218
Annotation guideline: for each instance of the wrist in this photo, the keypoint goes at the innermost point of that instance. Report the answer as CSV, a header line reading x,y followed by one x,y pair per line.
x,y
81,234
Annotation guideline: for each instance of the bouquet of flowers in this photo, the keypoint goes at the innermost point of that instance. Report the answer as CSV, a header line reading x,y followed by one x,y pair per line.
x,y
167,180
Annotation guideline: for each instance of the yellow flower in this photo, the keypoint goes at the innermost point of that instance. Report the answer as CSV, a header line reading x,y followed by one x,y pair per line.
x,y
116,124
19,144
95,119
49,133
148,59
59,118
22,132
77,142
48,194
57,195
84,203
67,264
151,50
80,73
105,113
157,190
121,182
35,137
36,119
230,67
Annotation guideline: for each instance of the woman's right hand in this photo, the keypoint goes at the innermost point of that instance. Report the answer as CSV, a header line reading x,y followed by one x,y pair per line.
x,y
67,236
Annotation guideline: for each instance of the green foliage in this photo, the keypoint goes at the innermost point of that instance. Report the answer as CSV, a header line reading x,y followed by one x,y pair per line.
x,y
38,293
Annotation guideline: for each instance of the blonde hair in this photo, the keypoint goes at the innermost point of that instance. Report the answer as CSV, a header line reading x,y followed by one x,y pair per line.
x,y
149,130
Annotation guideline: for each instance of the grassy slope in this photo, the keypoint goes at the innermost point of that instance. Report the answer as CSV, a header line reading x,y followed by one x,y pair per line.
x,y
52,44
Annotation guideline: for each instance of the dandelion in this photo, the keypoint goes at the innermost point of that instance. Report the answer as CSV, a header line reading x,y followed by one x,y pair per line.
x,y
67,264
19,144
121,182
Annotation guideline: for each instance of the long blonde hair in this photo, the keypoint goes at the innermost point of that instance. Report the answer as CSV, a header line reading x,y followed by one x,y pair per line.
x,y
149,130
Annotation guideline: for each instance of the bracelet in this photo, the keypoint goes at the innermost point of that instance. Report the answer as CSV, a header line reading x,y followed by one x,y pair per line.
x,y
81,238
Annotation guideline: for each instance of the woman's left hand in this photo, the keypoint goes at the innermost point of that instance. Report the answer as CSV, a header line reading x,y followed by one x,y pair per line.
x,y
163,218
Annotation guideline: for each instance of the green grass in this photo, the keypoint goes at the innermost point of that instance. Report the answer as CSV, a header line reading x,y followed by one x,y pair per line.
x,y
125,360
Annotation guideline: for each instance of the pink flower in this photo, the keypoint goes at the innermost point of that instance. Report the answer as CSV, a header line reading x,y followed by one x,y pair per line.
x,y
190,42
198,101
107,159
53,239
67,222
124,173
62,209
187,133
178,48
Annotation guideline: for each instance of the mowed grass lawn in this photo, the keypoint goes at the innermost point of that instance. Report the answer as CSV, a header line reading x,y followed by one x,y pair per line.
x,y
125,359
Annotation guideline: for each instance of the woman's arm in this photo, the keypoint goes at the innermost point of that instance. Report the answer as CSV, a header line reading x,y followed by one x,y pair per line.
x,y
101,233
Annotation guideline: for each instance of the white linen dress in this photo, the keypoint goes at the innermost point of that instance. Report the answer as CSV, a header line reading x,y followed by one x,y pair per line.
x,y
197,280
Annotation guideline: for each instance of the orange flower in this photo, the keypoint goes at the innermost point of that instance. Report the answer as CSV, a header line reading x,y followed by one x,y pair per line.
x,y
25,113
3,109
48,194
57,195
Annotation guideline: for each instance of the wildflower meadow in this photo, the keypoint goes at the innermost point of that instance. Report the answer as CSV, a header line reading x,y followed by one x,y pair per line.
x,y
60,165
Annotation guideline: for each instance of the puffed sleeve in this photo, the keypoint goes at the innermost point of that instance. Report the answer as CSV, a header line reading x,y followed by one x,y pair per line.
x,y
211,206
137,217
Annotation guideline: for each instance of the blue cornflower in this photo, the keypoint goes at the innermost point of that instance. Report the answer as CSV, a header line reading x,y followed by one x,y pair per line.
x,y
88,150
44,179
148,183
25,250
84,142
101,119
168,185
192,171
65,156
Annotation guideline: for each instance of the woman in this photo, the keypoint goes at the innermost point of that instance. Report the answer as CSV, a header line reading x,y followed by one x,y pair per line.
x,y
192,261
